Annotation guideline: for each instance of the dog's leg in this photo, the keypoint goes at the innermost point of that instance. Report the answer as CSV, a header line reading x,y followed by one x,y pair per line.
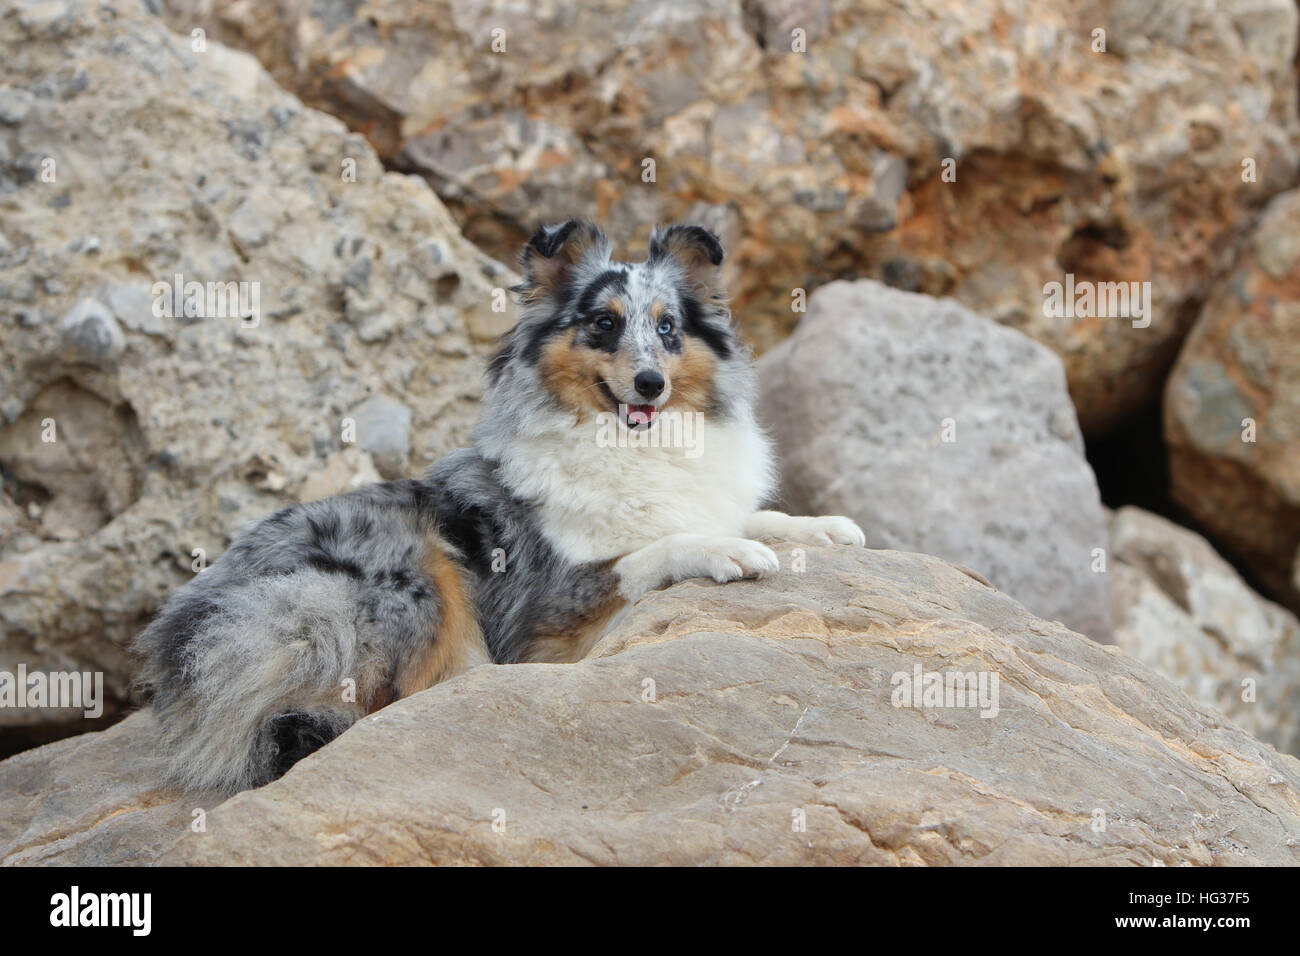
x,y
824,529
681,556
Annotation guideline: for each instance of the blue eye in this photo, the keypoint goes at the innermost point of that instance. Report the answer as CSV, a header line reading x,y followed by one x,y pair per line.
x,y
665,327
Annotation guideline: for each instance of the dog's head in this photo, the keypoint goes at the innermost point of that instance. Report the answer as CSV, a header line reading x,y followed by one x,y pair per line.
x,y
625,338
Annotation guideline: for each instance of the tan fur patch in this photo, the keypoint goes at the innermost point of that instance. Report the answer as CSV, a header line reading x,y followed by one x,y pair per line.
x,y
578,640
458,643
571,372
374,691
693,376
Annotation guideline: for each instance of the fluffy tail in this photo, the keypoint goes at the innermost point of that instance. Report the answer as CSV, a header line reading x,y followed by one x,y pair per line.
x,y
247,678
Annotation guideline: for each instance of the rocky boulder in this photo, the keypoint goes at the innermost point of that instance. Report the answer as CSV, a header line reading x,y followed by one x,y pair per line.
x,y
213,302
1182,609
755,722
940,431
973,149
1232,407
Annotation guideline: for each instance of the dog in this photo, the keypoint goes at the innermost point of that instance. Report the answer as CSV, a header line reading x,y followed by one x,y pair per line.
x,y
523,547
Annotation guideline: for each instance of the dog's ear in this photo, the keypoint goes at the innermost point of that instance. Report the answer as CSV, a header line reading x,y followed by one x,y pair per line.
x,y
695,249
552,255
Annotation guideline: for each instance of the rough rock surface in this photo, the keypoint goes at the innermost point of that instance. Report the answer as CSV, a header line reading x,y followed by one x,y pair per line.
x,y
134,158
942,432
87,801
750,722
1232,407
1181,608
1122,165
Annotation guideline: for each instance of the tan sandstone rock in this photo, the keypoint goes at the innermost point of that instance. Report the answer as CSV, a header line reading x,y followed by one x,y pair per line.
x,y
1183,609
129,438
1232,407
85,801
747,723
1137,154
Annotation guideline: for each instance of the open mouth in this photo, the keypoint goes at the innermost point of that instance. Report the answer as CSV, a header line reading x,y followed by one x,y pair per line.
x,y
634,416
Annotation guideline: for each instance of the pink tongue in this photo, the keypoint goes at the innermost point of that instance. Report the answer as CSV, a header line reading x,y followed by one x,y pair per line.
x,y
640,414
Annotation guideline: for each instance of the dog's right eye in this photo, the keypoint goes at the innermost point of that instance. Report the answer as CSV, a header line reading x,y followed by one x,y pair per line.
x,y
603,321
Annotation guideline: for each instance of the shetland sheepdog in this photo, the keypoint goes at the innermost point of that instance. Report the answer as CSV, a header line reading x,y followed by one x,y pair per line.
x,y
617,452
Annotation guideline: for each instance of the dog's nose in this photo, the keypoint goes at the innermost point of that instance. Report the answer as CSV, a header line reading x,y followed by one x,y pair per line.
x,y
648,384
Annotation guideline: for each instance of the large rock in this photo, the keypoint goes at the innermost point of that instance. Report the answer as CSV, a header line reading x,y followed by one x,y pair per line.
x,y
1181,608
1232,407
942,432
129,438
743,723
1139,155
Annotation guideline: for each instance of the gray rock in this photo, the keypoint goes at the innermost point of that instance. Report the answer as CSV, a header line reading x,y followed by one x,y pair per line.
x,y
942,432
1181,608
48,19
251,223
87,245
383,428
15,104
91,333
133,306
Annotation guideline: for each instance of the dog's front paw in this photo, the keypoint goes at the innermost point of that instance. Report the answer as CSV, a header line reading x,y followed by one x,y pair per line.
x,y
831,529
806,529
727,559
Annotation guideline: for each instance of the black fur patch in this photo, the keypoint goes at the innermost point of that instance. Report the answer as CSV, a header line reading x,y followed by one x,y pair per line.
x,y
322,560
296,735
694,323
695,236
549,243
604,340
615,279
538,335
324,529
467,529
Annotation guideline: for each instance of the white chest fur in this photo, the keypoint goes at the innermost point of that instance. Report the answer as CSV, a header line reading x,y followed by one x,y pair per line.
x,y
599,496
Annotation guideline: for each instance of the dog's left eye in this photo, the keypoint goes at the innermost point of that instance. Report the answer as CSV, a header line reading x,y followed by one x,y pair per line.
x,y
604,321
665,327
